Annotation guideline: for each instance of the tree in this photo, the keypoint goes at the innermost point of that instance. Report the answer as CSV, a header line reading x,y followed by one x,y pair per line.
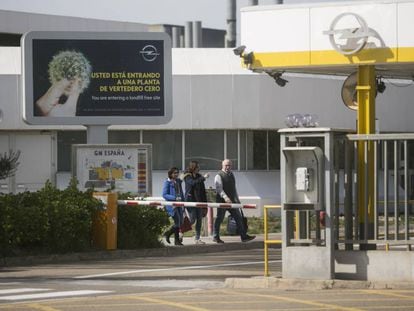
x,y
9,164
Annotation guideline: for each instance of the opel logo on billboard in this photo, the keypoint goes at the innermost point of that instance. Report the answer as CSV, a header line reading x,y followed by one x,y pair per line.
x,y
348,41
149,53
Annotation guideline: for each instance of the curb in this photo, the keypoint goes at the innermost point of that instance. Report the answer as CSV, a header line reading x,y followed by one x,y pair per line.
x,y
303,284
125,254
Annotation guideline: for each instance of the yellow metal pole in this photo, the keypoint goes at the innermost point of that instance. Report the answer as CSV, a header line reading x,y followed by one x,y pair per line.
x,y
266,237
266,249
366,91
297,225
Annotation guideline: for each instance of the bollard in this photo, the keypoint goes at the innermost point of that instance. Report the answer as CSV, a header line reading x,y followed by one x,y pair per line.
x,y
104,222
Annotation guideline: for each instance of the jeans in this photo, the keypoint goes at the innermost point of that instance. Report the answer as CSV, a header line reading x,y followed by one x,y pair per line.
x,y
178,217
196,216
237,217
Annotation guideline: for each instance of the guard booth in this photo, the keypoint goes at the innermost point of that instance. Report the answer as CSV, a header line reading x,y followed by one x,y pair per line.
x,y
367,41
308,202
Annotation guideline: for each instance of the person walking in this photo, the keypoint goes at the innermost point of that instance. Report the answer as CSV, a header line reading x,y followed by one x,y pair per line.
x,y
172,191
195,191
226,192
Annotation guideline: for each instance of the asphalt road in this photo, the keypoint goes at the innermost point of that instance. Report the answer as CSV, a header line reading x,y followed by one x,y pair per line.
x,y
187,282
23,286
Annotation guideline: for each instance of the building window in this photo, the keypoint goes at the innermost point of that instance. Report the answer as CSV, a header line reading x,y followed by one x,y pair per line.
x,y
231,148
123,137
243,150
274,150
166,148
65,140
256,151
206,147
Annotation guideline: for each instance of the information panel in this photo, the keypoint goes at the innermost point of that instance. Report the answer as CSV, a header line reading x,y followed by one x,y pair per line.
x,y
120,167
97,78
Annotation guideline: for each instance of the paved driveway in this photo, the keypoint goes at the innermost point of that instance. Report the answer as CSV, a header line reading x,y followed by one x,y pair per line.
x,y
181,278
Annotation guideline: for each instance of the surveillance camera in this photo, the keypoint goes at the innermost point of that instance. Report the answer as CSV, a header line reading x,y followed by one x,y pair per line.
x,y
277,76
239,50
281,82
380,86
248,58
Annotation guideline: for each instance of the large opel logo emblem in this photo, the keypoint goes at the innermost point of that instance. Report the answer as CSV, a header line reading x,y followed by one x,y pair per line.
x,y
348,41
149,53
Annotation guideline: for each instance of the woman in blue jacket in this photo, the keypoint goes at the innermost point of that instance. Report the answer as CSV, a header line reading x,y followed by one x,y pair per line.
x,y
173,191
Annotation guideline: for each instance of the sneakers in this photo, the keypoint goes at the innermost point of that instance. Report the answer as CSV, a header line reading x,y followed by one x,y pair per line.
x,y
218,240
248,238
199,242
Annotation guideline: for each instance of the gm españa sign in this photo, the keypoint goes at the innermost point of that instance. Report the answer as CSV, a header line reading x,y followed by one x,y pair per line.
x,y
88,78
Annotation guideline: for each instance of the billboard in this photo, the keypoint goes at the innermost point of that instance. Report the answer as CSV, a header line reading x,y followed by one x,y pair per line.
x,y
120,167
96,78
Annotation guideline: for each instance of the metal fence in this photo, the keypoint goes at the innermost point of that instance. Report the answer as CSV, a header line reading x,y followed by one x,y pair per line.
x,y
382,216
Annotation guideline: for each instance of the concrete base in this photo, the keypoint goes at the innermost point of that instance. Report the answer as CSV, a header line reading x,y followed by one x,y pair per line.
x,y
307,263
375,265
300,284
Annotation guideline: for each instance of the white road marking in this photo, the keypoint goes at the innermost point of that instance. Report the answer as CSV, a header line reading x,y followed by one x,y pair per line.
x,y
174,269
22,290
54,294
158,283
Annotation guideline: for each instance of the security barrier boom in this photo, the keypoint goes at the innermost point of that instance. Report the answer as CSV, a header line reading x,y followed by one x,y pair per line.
x,y
186,204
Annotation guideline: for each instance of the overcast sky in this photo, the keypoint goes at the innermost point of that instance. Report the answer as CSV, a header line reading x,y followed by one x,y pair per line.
x,y
212,13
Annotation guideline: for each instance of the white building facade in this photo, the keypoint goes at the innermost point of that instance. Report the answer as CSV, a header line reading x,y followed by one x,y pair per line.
x,y
220,110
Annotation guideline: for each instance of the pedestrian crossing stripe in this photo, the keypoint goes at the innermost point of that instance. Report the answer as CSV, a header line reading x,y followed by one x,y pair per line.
x,y
22,290
52,294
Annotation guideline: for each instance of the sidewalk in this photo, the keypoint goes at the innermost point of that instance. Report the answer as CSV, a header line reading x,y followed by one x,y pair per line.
x,y
231,243
209,240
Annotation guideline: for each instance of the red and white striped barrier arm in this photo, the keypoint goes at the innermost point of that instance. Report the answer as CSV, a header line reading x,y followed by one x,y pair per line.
x,y
185,204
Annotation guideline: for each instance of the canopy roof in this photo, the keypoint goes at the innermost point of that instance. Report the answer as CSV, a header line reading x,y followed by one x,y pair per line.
x,y
330,38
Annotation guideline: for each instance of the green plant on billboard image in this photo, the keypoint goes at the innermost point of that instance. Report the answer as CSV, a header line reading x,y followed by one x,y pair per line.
x,y
9,163
69,75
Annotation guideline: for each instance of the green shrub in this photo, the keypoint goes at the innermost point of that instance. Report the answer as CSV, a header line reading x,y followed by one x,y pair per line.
x,y
69,217
23,223
140,226
57,221
49,220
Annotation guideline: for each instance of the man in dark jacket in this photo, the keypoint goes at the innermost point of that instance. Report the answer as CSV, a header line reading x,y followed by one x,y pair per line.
x,y
227,193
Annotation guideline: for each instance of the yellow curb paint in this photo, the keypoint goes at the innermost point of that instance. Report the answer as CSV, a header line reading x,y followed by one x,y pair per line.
x,y
305,302
167,303
387,293
41,307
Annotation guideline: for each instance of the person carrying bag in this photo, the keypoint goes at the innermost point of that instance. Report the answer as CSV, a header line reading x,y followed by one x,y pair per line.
x,y
172,191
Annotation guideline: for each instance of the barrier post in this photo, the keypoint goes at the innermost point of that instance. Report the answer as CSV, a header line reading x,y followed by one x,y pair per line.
x,y
105,221
266,237
210,221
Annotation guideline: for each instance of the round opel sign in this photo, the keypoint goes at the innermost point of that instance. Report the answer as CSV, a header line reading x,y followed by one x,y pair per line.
x,y
149,53
348,41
